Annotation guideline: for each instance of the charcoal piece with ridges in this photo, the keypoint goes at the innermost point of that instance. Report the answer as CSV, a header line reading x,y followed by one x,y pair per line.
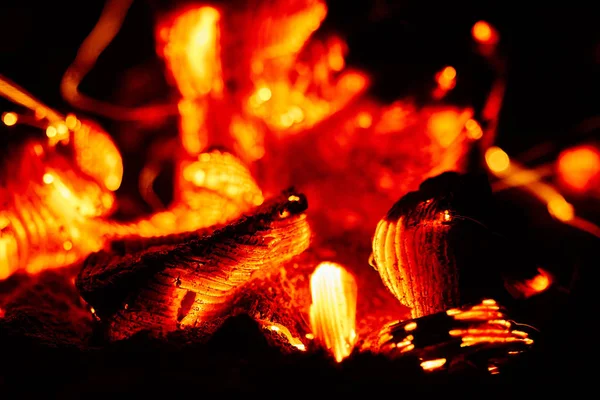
x,y
167,287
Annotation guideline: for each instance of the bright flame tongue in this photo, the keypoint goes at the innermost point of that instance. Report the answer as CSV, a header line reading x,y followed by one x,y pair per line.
x,y
191,51
333,308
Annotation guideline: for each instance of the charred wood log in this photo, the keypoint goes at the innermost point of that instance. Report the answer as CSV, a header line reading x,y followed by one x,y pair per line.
x,y
436,247
166,287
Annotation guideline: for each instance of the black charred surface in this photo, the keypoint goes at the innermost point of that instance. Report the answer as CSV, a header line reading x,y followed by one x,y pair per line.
x,y
238,358
467,195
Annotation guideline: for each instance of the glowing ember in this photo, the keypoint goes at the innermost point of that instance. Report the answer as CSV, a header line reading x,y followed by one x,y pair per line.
x,y
191,48
333,309
62,215
190,44
483,330
433,364
252,81
46,204
186,280
530,287
474,130
96,154
579,168
9,118
446,80
484,33
497,159
285,332
412,248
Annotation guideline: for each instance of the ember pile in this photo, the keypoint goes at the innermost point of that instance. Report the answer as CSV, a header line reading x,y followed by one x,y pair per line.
x,y
308,224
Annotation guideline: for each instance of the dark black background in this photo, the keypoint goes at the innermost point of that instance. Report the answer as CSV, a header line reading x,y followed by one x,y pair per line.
x,y
553,55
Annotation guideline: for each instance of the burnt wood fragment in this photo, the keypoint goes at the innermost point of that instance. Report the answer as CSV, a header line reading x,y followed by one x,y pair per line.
x,y
170,286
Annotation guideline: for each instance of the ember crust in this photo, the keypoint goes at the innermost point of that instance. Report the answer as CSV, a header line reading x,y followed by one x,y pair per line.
x,y
164,287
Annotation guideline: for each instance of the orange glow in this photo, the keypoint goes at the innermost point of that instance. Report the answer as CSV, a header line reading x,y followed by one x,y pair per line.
x,y
260,90
61,129
97,156
494,329
9,118
51,132
285,332
286,35
190,44
433,364
4,221
191,50
557,205
394,118
448,73
446,216
471,328
474,130
291,92
497,160
193,133
516,175
333,308
264,94
71,122
411,326
484,33
446,126
579,168
446,80
560,209
19,96
249,138
50,221
364,120
48,178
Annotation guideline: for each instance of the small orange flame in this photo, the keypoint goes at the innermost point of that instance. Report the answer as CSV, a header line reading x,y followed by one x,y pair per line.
x,y
191,49
333,310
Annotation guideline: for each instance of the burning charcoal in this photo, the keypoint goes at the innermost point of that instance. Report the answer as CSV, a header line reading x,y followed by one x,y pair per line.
x,y
433,250
167,287
480,336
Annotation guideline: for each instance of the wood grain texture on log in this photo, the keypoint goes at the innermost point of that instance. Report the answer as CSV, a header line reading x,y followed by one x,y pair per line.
x,y
432,244
166,287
